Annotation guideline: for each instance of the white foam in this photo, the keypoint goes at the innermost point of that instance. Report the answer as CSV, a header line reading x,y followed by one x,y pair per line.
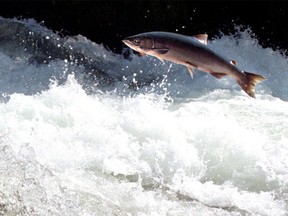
x,y
212,151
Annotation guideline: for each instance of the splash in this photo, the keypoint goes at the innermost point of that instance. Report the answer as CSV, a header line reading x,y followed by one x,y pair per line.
x,y
155,142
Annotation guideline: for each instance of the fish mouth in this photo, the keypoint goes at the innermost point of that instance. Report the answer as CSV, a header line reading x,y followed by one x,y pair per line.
x,y
130,44
127,42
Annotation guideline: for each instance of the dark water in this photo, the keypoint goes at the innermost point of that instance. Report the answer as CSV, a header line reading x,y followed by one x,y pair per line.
x,y
85,131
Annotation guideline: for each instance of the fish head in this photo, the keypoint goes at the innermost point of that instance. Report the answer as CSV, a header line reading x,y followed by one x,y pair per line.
x,y
142,43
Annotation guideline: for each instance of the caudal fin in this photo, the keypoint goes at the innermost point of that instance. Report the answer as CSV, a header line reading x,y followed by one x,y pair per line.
x,y
250,82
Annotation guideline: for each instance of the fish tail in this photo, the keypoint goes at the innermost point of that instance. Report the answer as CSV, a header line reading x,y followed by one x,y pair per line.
x,y
251,80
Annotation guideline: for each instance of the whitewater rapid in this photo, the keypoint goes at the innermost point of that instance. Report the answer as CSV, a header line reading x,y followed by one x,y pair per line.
x,y
154,142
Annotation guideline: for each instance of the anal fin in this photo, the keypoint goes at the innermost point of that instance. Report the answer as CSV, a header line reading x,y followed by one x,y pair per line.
x,y
218,75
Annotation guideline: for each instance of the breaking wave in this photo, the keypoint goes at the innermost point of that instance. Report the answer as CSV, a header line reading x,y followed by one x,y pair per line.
x,y
85,131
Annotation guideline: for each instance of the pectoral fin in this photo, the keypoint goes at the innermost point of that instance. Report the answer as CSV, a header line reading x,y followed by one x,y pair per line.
x,y
161,51
160,59
218,75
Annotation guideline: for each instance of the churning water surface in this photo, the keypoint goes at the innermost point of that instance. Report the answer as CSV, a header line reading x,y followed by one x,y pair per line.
x,y
152,142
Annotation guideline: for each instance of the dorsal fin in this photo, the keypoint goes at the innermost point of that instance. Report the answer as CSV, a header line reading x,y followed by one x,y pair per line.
x,y
233,62
202,38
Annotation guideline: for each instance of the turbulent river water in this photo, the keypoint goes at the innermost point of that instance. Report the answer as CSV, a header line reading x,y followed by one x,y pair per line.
x,y
144,140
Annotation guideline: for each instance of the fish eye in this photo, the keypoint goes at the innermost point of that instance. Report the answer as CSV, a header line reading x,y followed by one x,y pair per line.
x,y
136,41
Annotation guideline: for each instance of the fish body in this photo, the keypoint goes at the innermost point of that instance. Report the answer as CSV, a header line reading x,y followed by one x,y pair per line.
x,y
192,52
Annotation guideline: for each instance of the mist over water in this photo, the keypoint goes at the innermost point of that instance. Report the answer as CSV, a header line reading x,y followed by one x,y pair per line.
x,y
153,142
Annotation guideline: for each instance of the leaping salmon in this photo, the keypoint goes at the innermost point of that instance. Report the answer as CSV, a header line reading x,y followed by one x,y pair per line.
x,y
193,52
